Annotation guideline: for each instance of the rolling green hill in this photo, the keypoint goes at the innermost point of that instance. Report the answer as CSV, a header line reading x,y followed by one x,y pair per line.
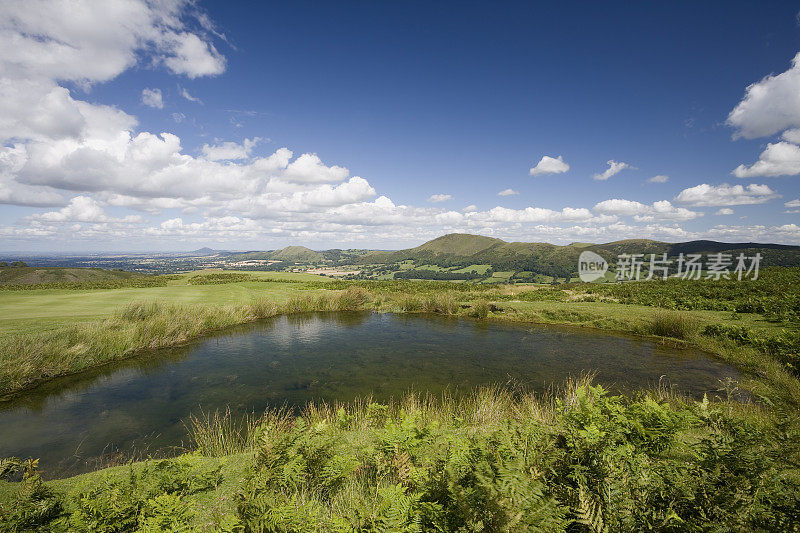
x,y
459,250
291,254
32,275
297,253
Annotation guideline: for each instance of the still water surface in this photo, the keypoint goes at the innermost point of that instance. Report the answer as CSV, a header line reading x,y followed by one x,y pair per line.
x,y
142,404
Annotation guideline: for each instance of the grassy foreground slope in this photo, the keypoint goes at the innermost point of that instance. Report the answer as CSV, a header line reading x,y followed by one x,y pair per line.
x,y
577,460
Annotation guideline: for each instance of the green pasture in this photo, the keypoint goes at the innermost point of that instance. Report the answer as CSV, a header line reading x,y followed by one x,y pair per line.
x,y
29,311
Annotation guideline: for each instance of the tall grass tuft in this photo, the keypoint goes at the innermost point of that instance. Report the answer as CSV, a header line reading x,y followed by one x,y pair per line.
x,y
264,308
671,324
220,433
138,311
480,309
410,303
444,303
352,299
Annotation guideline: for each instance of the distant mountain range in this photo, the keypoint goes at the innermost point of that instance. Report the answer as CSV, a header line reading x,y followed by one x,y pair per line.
x,y
460,250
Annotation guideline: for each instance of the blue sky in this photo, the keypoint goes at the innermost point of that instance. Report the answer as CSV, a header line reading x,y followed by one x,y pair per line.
x,y
412,118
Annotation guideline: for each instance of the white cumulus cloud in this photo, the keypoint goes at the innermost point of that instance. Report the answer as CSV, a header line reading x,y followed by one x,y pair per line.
x,y
726,195
549,165
660,178
778,159
507,192
661,210
229,150
769,105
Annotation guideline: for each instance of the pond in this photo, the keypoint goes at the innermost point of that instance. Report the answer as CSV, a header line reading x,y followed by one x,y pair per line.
x,y
142,404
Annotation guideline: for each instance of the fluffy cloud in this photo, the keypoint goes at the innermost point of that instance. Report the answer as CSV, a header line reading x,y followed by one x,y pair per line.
x,y
507,192
190,55
614,168
81,209
46,42
189,97
726,195
770,105
531,214
12,159
792,136
549,165
230,150
436,198
660,178
724,211
661,210
779,159
88,42
793,203
152,98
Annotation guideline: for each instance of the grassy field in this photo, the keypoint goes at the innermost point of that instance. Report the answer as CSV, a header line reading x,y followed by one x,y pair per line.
x,y
47,309
502,461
